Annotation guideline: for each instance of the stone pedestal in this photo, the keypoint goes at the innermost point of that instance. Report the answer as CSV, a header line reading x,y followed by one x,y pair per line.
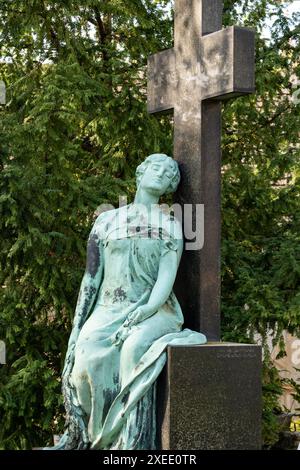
x,y
209,398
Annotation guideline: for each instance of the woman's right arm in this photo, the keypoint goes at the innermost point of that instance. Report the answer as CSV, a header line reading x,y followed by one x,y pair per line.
x,y
88,290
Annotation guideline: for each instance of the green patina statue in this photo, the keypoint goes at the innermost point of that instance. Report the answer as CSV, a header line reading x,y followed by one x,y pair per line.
x,y
125,317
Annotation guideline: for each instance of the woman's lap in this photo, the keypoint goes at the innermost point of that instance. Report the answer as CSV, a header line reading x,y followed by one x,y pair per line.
x,y
141,339
96,356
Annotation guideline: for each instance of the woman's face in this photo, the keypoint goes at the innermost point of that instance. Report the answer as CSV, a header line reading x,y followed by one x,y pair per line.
x,y
157,178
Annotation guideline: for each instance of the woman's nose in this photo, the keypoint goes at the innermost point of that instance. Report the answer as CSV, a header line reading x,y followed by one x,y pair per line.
x,y
160,172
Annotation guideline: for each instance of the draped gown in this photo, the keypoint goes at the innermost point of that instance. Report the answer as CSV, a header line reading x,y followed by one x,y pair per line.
x,y
114,386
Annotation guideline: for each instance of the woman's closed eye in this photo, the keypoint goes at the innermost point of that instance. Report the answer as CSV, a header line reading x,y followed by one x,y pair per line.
x,y
168,174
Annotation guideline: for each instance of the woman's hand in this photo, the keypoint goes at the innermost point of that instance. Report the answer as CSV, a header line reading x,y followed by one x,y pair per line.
x,y
137,316
121,335
140,314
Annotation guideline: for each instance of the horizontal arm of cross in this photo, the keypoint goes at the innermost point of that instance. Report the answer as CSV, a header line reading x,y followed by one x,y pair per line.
x,y
225,68
162,80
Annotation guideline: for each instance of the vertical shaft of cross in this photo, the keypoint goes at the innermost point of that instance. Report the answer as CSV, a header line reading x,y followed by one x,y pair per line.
x,y
207,64
197,131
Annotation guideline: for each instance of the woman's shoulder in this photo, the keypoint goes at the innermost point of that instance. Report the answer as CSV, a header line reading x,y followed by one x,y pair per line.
x,y
108,220
109,215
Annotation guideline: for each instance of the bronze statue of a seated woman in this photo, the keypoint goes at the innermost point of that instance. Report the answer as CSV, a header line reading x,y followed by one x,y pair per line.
x,y
125,317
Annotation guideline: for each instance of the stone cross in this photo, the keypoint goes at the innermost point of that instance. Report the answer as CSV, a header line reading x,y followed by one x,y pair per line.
x,y
206,65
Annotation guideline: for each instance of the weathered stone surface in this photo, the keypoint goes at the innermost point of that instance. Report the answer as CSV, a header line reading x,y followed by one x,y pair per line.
x,y
222,67
209,397
227,63
161,85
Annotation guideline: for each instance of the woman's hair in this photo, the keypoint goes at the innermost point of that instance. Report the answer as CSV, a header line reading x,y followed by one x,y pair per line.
x,y
156,158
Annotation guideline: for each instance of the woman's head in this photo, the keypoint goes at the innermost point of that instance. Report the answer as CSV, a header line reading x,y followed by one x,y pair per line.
x,y
159,174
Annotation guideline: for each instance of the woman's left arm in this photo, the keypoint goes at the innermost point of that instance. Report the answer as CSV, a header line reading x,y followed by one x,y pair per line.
x,y
163,286
165,280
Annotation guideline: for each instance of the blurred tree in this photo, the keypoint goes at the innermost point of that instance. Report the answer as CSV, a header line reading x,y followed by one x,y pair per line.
x,y
261,189
74,128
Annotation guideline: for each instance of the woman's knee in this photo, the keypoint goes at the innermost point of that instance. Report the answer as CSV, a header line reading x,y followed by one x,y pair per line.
x,y
132,351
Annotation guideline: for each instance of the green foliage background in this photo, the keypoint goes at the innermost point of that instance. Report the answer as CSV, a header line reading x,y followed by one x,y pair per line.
x,y
74,128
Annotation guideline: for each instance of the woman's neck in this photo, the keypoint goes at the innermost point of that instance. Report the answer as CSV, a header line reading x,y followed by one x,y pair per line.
x,y
146,199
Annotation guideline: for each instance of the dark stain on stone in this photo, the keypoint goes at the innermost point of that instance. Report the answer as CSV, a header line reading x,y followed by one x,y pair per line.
x,y
167,307
108,397
139,365
116,379
119,295
93,255
125,398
